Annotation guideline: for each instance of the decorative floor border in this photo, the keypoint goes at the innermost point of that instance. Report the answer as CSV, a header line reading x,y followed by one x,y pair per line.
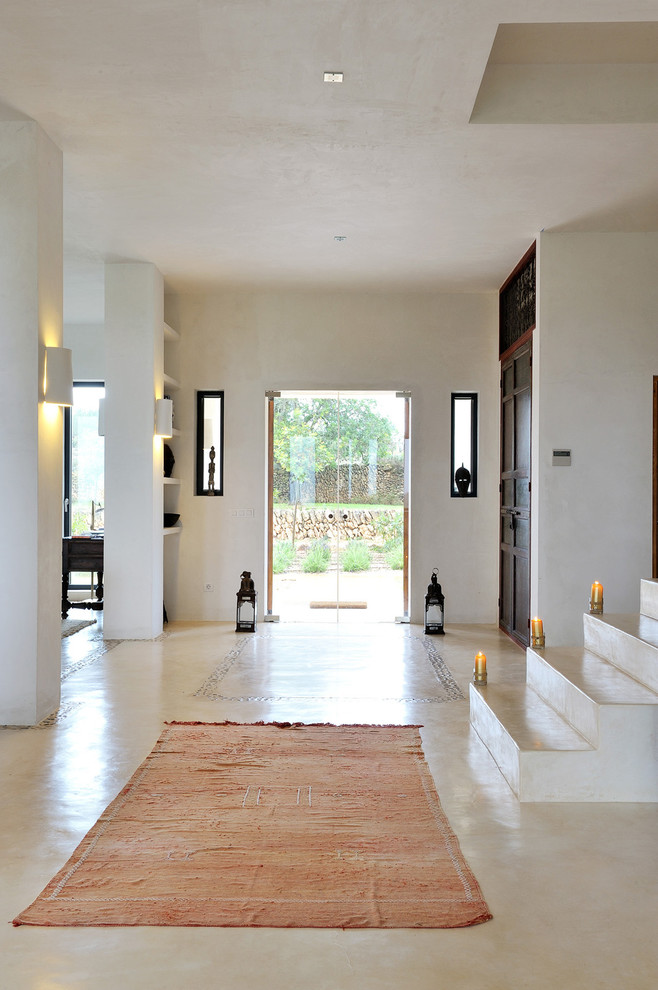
x,y
219,673
210,688
104,646
442,671
54,718
91,657
62,713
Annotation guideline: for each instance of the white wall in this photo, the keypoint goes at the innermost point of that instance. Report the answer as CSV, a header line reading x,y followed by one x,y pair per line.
x,y
87,341
248,340
596,351
134,364
31,431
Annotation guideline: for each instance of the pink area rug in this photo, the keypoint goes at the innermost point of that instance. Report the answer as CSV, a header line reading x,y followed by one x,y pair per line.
x,y
272,825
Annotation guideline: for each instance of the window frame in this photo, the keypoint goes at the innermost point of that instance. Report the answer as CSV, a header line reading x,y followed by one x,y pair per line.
x,y
200,487
472,397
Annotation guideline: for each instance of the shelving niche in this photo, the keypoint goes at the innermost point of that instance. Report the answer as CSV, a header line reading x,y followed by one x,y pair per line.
x,y
171,486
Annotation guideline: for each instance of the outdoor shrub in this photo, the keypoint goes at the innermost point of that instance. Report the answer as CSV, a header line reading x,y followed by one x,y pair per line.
x,y
282,556
356,556
390,529
395,557
317,559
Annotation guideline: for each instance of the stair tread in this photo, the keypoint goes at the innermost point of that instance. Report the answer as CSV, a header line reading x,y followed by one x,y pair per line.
x,y
642,627
596,677
530,721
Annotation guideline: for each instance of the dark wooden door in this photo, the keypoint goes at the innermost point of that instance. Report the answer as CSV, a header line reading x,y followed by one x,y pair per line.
x,y
654,566
516,395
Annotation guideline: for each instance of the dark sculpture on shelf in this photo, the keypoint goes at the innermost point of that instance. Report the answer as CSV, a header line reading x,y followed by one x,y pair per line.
x,y
463,480
168,460
211,472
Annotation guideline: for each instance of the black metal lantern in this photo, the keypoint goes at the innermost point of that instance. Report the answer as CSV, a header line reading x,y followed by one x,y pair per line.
x,y
245,619
434,607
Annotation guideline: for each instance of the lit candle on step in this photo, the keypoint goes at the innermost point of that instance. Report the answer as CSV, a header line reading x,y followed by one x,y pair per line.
x,y
596,599
537,634
480,669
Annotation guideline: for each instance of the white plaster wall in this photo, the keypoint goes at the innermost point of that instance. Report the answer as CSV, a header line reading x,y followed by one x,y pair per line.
x,y
596,351
87,341
31,433
50,292
133,455
248,340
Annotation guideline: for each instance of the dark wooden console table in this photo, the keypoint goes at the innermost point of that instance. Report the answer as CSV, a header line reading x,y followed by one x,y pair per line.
x,y
82,553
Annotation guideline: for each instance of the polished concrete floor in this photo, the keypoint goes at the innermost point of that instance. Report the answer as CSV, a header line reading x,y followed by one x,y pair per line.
x,y
572,887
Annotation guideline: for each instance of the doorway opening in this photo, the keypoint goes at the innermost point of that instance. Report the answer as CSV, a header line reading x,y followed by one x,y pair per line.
x,y
338,533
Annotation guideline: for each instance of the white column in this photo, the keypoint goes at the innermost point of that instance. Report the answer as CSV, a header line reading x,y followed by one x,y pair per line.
x,y
30,432
134,367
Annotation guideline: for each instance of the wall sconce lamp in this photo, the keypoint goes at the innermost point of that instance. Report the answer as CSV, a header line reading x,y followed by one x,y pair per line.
x,y
58,377
164,418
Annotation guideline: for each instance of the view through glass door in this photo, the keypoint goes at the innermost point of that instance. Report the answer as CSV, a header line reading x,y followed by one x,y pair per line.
x,y
339,515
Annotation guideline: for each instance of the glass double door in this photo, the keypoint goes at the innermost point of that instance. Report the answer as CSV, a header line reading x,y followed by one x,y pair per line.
x,y
338,512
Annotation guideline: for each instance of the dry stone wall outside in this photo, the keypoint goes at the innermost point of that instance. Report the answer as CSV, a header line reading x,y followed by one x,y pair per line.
x,y
315,524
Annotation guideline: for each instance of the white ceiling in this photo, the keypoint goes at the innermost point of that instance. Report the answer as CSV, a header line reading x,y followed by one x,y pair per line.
x,y
199,134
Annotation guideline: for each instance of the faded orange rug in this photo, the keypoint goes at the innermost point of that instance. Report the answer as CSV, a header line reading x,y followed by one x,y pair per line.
x,y
278,825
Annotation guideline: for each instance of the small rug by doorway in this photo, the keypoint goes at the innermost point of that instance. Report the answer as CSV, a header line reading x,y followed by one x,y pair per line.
x,y
271,825
70,626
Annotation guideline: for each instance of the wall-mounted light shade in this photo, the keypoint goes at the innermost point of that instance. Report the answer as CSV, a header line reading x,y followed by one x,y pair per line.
x,y
101,417
164,417
58,377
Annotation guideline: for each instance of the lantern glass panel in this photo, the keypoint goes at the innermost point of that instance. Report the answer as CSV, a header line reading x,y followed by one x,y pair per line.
x,y
246,615
434,615
247,612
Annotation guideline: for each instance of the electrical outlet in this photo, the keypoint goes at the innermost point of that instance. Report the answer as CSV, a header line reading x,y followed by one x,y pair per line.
x,y
209,587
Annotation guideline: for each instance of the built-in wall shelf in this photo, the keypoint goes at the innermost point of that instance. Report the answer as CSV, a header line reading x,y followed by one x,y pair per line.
x,y
171,487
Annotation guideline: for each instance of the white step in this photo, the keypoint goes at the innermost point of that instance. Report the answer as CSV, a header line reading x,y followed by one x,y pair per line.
x,y
583,724
543,758
578,683
512,721
630,642
649,598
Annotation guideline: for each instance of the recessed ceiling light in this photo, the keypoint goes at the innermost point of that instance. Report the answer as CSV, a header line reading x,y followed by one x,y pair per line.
x,y
333,77
340,237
